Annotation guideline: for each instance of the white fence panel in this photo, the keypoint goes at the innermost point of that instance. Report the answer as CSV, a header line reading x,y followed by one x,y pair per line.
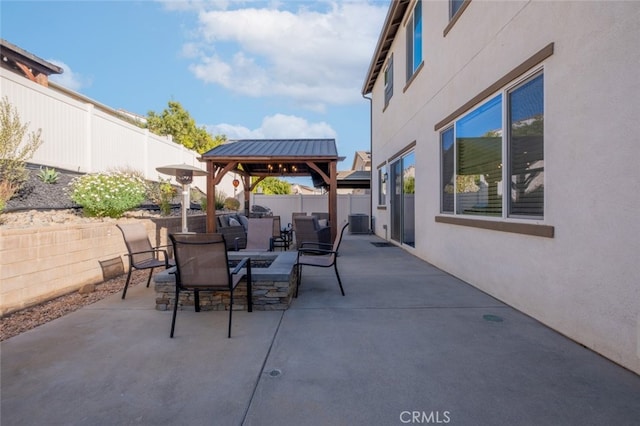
x,y
63,121
84,136
285,205
116,142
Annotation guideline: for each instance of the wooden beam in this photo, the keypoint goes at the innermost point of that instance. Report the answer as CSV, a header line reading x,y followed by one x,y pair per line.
x,y
222,171
246,184
326,178
211,198
333,199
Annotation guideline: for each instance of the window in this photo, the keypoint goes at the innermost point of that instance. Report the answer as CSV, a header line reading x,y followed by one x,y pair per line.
x,y
414,40
388,81
454,6
446,178
474,147
526,148
382,186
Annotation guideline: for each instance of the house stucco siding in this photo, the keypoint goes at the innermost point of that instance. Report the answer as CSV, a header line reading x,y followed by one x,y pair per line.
x,y
583,282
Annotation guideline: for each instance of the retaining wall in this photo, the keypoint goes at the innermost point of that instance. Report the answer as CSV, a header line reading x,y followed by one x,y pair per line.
x,y
39,264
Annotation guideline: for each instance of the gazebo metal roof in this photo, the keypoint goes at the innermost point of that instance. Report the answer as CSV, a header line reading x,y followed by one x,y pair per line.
x,y
277,157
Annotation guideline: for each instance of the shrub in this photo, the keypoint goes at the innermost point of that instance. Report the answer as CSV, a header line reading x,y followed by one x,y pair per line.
x,y
231,203
108,194
6,192
220,200
48,175
14,150
162,193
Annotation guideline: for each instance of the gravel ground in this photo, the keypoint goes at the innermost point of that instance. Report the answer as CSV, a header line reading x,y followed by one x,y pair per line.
x,y
26,319
36,194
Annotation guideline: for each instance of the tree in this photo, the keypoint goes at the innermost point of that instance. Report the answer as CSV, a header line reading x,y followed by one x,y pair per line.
x,y
14,151
177,122
274,186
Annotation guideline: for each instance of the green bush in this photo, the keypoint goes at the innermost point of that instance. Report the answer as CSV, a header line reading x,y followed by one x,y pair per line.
x,y
162,193
6,192
48,175
108,194
231,203
220,200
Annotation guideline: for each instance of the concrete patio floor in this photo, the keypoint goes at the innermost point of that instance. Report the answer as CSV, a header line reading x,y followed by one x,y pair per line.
x,y
407,340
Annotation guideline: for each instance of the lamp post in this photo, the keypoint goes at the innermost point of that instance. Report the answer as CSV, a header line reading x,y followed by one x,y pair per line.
x,y
184,175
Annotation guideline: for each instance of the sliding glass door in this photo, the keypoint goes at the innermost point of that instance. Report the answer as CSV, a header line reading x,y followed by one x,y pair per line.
x,y
402,200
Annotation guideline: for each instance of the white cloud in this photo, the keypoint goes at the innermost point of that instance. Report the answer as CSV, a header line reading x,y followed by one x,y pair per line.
x,y
278,126
314,57
68,78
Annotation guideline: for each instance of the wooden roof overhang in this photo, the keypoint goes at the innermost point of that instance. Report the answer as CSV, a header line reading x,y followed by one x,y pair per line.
x,y
317,158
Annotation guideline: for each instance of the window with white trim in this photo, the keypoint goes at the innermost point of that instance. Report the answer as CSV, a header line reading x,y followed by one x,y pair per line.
x,y
388,81
493,144
414,40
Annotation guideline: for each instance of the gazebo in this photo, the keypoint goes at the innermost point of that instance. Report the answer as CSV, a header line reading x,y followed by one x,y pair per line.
x,y
262,158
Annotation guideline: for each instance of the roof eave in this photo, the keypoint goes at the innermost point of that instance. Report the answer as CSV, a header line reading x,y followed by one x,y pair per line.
x,y
392,22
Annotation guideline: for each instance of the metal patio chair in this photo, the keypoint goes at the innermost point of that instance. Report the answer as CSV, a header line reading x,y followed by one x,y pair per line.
x,y
259,235
319,254
202,265
142,255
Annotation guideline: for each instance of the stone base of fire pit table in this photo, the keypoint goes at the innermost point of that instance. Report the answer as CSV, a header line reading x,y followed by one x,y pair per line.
x,y
272,287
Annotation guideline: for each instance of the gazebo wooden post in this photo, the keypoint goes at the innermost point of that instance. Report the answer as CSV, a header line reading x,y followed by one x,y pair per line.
x,y
333,199
211,199
246,182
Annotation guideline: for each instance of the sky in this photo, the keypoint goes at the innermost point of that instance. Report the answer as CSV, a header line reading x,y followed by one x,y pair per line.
x,y
245,69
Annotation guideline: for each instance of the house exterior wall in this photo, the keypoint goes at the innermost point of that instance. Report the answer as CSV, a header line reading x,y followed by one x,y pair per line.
x,y
582,282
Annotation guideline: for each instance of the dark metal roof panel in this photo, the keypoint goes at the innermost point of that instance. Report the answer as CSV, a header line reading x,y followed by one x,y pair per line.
x,y
15,52
275,148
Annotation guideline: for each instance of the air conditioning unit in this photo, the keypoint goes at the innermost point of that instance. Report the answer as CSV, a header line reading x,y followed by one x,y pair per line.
x,y
358,223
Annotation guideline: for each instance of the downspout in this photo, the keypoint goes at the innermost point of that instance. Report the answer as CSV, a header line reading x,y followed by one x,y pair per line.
x,y
371,218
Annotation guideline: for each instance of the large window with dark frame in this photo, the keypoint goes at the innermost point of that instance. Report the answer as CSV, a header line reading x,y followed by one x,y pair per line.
x,y
492,158
414,40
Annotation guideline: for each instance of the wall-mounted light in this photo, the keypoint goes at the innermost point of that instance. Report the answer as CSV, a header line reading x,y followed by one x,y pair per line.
x,y
236,182
385,176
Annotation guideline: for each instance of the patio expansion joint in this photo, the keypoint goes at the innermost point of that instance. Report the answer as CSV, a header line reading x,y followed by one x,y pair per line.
x,y
382,308
262,367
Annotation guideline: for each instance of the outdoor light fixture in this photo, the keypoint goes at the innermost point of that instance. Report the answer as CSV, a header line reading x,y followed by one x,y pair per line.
x,y
235,182
385,176
184,175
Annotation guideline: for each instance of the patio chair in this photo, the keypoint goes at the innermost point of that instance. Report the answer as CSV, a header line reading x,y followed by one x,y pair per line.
x,y
321,255
293,219
280,235
140,252
321,216
202,265
259,235
309,230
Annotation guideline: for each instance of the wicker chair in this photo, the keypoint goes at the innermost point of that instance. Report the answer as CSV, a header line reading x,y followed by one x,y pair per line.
x,y
309,230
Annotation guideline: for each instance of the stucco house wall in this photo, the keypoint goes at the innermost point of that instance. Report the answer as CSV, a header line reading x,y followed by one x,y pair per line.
x,y
584,280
